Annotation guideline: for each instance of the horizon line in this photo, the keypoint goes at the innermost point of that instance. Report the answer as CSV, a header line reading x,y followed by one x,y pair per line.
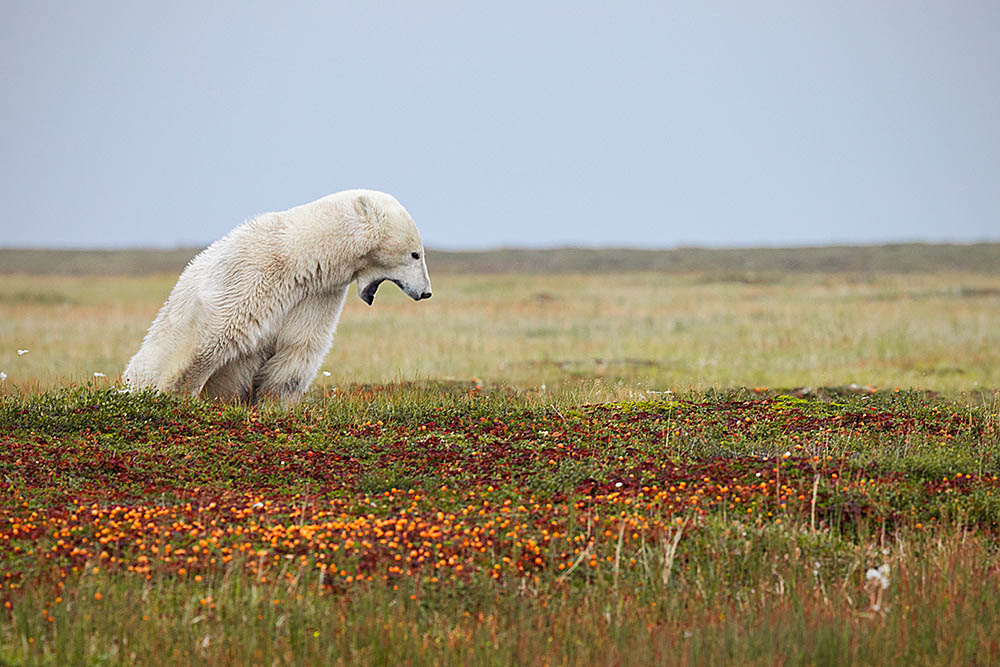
x,y
551,247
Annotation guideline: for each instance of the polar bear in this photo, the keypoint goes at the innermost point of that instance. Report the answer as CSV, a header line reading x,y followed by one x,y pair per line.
x,y
254,314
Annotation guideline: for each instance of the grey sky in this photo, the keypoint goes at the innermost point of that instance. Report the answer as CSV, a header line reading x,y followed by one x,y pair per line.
x,y
639,124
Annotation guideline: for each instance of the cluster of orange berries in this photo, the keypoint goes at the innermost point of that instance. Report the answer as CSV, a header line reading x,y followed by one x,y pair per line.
x,y
403,534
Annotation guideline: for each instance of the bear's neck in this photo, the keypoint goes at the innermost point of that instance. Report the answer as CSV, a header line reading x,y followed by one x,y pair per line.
x,y
323,245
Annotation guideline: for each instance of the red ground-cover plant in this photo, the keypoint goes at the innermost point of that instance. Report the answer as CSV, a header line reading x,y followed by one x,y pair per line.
x,y
453,491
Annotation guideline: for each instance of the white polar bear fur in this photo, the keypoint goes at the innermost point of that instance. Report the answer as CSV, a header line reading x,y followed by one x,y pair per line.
x,y
254,314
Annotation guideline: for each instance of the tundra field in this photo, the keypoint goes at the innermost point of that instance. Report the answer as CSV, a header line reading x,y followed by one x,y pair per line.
x,y
563,457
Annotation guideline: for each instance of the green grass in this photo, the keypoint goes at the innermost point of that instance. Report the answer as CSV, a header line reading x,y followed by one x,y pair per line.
x,y
942,607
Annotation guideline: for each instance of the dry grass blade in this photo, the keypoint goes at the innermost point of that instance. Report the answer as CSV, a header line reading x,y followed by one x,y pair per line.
x,y
670,552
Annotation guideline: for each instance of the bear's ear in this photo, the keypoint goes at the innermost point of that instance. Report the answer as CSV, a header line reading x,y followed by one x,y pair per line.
x,y
365,209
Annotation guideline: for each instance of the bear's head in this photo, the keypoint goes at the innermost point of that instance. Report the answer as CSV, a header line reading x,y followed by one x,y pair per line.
x,y
397,255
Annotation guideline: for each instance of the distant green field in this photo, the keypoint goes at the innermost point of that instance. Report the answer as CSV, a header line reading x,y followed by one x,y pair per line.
x,y
599,324
596,336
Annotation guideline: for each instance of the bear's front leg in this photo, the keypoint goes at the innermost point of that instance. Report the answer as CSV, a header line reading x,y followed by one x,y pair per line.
x,y
305,337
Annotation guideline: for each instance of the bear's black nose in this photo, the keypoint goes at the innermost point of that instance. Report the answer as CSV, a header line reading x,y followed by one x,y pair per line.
x,y
425,295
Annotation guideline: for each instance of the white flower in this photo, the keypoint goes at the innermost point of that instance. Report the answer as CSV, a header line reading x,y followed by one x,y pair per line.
x,y
326,374
21,353
99,374
880,576
3,376
258,505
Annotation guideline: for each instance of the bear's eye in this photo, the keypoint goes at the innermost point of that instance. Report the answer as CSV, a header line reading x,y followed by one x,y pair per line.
x,y
415,255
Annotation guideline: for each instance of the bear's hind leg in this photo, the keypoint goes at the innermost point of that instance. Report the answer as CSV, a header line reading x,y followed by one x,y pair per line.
x,y
197,372
234,380
286,375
